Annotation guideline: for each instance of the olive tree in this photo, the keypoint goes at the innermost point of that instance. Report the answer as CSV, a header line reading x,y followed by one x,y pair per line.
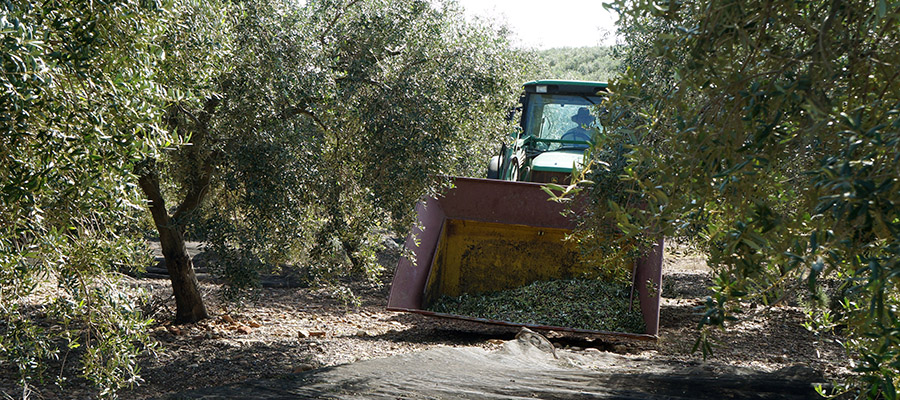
x,y
767,132
78,109
330,122
197,44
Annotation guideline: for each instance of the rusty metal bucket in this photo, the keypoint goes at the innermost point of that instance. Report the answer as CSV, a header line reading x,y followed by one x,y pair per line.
x,y
487,235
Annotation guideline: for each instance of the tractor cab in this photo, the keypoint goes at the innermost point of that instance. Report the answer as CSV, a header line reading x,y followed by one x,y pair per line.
x,y
556,127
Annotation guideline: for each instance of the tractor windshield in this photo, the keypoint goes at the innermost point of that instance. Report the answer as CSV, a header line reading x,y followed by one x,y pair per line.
x,y
561,117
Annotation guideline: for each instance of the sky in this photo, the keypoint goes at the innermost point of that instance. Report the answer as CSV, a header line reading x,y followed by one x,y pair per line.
x,y
548,24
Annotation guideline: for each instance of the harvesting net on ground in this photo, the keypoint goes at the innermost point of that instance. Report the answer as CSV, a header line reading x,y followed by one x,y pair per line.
x,y
576,303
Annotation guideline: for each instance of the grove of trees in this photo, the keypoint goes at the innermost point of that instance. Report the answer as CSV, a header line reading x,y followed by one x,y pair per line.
x,y
291,134
766,133
281,133
599,63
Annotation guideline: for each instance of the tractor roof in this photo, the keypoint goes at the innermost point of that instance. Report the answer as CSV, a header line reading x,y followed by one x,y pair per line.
x,y
565,86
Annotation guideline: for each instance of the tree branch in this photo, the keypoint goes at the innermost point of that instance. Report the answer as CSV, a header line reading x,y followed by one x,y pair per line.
x,y
148,180
335,20
196,190
292,111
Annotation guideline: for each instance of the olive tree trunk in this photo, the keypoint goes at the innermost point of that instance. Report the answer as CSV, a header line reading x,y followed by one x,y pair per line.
x,y
189,305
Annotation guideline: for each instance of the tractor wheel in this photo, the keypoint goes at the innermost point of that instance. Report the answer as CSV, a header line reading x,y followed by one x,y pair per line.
x,y
493,171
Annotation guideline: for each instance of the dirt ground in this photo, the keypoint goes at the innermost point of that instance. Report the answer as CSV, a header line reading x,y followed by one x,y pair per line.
x,y
287,330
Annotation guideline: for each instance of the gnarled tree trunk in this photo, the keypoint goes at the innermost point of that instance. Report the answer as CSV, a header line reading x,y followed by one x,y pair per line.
x,y
188,302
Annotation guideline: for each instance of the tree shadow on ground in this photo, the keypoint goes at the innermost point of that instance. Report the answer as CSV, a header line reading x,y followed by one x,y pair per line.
x,y
233,362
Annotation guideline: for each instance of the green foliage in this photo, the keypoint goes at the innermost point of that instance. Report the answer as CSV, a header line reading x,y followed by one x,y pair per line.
x,y
576,303
580,63
767,133
335,118
77,109
288,133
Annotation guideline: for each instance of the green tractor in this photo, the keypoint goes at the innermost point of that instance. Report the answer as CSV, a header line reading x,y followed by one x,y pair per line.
x,y
556,128
488,235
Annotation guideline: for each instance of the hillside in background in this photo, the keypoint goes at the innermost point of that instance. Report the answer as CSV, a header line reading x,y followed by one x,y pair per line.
x,y
582,63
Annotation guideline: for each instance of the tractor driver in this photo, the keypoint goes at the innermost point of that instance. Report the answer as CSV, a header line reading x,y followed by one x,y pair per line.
x,y
584,119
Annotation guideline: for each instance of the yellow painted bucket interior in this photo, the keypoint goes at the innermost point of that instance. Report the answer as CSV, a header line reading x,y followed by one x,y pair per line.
x,y
476,257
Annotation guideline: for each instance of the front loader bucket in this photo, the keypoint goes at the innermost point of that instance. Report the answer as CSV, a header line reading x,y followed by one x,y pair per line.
x,y
486,235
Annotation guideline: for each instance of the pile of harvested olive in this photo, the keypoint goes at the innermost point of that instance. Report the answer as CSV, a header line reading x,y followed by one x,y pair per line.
x,y
575,303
